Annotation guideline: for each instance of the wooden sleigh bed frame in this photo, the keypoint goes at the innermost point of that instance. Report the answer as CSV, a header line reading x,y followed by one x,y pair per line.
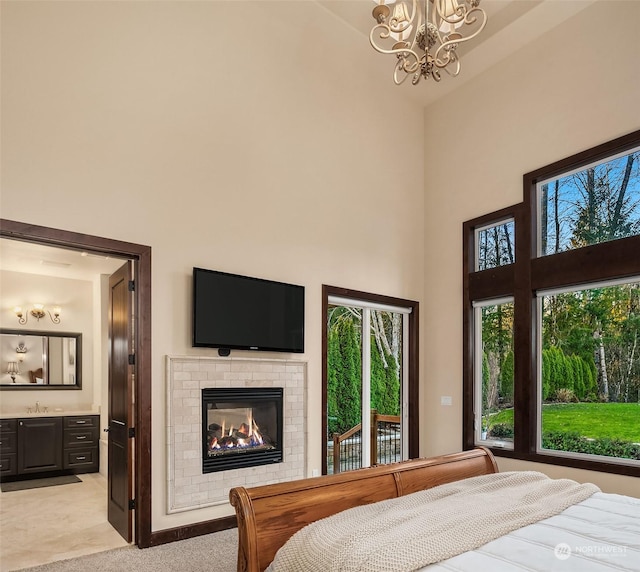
x,y
269,515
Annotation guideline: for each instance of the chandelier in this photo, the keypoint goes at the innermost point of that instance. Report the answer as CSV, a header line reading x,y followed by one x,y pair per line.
x,y
425,40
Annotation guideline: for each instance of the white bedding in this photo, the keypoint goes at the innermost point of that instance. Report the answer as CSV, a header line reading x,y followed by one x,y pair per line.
x,y
599,534
408,532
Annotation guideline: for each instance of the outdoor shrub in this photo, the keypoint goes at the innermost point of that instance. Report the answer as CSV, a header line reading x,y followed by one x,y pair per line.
x,y
559,441
500,431
566,396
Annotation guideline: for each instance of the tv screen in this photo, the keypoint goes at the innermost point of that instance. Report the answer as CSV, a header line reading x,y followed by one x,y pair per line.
x,y
239,312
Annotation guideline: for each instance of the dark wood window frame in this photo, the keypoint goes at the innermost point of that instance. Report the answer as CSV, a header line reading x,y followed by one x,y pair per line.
x,y
413,344
530,273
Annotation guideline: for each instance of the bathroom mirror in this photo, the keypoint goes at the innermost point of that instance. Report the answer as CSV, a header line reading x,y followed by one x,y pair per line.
x,y
40,360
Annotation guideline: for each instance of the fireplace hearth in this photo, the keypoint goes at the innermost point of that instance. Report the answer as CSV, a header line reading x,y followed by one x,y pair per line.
x,y
241,427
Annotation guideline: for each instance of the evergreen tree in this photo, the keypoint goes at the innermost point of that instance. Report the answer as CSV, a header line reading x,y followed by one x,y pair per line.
x,y
345,391
385,385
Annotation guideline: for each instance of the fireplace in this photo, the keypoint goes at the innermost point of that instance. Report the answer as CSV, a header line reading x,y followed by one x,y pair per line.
x,y
241,427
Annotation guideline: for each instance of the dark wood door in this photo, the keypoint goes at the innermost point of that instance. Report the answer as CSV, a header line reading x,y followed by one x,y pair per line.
x,y
121,371
39,445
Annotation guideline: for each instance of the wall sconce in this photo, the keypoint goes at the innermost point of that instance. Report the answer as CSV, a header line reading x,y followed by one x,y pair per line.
x,y
20,351
38,311
12,370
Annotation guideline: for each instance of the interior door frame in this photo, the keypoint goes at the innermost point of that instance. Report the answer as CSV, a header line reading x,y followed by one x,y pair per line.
x,y
141,254
413,360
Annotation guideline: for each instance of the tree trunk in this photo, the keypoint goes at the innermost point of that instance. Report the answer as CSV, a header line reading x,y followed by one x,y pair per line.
x,y
627,380
620,201
557,216
494,375
381,340
507,239
396,340
544,217
591,206
603,364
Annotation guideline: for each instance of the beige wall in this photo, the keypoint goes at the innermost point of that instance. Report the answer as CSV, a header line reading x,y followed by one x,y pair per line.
x,y
75,297
248,137
565,94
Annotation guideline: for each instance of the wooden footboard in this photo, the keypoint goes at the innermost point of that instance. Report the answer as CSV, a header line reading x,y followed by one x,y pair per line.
x,y
269,515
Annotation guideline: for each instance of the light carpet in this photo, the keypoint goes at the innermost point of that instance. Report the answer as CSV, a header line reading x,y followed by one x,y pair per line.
x,y
215,552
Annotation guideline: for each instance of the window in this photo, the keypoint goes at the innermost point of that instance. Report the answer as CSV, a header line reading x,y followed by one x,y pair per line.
x,y
369,380
494,373
594,204
589,371
573,290
495,245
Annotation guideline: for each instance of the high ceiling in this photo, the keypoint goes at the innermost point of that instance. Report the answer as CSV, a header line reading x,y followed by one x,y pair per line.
x,y
511,24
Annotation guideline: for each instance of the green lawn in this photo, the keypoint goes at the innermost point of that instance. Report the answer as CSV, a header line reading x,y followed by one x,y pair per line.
x,y
612,420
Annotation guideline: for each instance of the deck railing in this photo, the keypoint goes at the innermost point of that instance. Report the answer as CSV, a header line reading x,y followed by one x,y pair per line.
x,y
384,442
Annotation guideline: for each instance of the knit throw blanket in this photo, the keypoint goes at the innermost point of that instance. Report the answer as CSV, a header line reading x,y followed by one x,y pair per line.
x,y
410,532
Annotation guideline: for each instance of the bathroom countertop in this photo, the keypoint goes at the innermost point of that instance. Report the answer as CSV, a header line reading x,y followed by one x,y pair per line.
x,y
51,413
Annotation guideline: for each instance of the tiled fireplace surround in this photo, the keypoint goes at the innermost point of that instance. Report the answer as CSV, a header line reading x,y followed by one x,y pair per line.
x,y
188,488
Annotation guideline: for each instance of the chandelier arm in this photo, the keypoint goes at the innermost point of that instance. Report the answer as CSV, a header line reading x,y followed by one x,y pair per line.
x,y
456,71
471,18
403,53
397,79
443,56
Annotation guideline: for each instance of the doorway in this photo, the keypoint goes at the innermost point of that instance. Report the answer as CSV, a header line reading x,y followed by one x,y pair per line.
x,y
370,379
140,255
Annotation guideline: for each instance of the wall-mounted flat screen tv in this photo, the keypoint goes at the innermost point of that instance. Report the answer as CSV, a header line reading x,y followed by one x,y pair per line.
x,y
239,312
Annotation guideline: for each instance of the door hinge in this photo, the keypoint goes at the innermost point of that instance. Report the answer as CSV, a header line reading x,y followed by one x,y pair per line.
x,y
132,432
132,504
132,286
132,359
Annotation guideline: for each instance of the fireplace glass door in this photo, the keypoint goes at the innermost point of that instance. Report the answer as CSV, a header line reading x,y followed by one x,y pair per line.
x,y
242,427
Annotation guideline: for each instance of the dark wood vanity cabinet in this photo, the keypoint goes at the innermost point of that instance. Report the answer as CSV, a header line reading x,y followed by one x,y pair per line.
x,y
8,447
49,445
39,445
81,436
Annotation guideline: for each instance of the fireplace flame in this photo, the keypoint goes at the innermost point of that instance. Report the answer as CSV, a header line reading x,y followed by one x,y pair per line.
x,y
246,435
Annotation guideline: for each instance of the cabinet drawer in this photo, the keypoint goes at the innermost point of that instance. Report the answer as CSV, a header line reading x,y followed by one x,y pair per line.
x,y
81,458
81,421
81,437
8,425
8,464
8,443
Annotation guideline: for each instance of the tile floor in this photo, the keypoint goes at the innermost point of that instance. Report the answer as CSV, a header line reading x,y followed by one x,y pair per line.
x,y
55,523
